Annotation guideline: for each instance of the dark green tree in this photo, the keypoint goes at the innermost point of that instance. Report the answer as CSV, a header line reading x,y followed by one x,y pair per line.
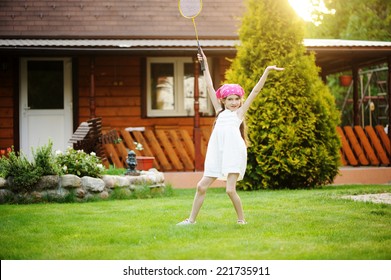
x,y
353,20
292,123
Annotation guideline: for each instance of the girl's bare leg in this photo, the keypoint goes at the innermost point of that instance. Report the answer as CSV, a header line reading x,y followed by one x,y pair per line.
x,y
199,198
233,195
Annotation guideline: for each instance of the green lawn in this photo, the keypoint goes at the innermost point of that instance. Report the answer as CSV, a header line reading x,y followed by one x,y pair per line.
x,y
289,224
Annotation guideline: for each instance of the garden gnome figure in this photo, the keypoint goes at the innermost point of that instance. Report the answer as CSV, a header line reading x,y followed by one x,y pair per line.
x,y
131,161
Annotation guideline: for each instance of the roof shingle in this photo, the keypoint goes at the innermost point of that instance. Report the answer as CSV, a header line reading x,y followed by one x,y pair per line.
x,y
116,18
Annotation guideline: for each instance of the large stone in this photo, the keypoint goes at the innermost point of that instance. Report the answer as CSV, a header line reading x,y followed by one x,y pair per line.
x,y
121,182
153,176
104,195
92,184
109,181
48,182
80,193
70,181
5,195
3,183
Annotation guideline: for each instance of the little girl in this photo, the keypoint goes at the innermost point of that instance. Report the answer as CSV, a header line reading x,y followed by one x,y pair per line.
x,y
226,155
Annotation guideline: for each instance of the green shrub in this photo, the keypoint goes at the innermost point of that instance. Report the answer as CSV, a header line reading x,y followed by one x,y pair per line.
x,y
20,172
44,159
79,163
292,122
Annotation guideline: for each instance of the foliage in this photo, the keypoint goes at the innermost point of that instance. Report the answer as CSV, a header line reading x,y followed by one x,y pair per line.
x,y
44,159
114,171
354,20
292,123
21,173
79,163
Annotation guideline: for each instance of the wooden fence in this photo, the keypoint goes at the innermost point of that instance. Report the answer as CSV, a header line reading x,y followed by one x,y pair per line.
x,y
366,146
173,148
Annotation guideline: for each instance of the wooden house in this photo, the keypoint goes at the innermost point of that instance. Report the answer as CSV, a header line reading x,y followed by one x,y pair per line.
x,y
131,63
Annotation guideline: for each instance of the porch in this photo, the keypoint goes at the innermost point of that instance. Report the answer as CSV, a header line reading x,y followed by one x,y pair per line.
x,y
174,150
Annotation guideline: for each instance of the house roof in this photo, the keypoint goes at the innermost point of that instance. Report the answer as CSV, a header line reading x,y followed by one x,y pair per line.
x,y
113,43
331,55
334,55
116,18
148,27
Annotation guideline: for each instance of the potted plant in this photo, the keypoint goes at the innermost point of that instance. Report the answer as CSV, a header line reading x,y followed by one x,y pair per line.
x,y
143,162
345,80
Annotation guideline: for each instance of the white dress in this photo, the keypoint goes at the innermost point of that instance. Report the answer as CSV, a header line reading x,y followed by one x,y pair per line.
x,y
227,151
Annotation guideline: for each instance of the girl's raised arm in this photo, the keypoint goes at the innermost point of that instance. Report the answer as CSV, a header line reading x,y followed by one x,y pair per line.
x,y
243,109
209,83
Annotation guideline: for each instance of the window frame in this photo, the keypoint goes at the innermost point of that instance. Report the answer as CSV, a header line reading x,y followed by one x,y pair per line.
x,y
179,91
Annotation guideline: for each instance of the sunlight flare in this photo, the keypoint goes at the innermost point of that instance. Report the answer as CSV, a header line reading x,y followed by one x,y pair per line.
x,y
306,8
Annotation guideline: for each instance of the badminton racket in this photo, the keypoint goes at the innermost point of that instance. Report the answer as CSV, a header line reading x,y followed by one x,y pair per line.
x,y
190,9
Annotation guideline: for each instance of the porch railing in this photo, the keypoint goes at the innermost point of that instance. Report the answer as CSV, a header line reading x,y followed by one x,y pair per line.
x,y
173,148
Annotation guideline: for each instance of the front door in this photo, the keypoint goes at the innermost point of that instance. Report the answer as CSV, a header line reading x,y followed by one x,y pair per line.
x,y
45,103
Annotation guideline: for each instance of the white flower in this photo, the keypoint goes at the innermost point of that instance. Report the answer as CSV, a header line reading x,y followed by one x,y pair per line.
x,y
65,168
100,166
92,154
139,146
58,152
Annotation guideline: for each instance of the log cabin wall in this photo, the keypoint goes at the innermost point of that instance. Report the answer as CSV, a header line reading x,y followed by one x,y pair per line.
x,y
118,94
7,102
118,99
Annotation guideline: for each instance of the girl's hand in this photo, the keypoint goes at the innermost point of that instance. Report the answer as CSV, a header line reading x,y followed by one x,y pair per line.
x,y
274,67
201,56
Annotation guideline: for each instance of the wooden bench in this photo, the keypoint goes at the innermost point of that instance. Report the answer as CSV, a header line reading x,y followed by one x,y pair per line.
x,y
89,138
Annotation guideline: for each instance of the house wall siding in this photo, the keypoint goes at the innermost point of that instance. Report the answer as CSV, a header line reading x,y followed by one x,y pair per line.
x,y
7,111
118,96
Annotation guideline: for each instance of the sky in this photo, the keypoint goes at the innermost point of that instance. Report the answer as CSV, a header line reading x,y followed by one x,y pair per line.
x,y
304,7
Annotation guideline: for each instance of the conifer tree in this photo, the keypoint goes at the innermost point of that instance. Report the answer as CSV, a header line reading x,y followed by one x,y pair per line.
x,y
293,141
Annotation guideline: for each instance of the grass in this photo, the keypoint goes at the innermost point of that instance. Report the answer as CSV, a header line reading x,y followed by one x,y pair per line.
x,y
289,224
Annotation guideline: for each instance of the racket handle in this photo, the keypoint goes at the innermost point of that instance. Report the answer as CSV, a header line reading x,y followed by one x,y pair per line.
x,y
202,61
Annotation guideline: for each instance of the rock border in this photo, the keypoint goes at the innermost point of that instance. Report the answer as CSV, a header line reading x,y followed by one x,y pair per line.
x,y
85,187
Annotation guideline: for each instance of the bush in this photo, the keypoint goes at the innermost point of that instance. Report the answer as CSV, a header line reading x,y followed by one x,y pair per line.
x,y
292,122
79,163
23,174
45,160
20,172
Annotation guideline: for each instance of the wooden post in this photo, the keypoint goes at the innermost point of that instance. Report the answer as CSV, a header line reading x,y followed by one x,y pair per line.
x,y
389,101
197,131
92,88
356,109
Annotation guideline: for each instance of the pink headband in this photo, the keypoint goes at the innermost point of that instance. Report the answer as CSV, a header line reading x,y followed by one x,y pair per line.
x,y
229,89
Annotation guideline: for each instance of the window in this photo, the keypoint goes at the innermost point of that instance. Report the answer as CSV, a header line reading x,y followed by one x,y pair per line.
x,y
170,90
45,84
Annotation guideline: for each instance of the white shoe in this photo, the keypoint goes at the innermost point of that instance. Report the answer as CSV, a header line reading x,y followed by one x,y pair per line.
x,y
242,222
185,223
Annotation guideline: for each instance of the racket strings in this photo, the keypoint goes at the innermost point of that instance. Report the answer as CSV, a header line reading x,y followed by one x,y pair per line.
x,y
190,8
